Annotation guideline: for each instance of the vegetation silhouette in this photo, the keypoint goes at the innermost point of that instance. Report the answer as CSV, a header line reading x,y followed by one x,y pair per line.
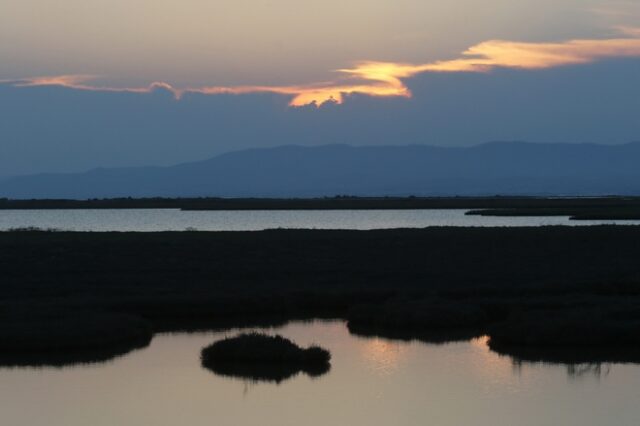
x,y
424,314
425,336
602,331
262,357
60,339
496,205
576,287
433,320
33,229
595,211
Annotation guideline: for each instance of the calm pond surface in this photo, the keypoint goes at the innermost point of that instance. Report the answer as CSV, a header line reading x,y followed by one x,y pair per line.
x,y
373,381
150,220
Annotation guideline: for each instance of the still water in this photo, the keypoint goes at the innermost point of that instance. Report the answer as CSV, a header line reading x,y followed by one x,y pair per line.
x,y
373,381
150,220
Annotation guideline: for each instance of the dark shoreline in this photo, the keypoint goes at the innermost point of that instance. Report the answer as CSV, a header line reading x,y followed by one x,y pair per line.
x,y
517,203
595,212
576,290
576,208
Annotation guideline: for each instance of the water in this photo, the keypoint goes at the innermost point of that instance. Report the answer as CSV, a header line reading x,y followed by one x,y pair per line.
x,y
372,382
176,220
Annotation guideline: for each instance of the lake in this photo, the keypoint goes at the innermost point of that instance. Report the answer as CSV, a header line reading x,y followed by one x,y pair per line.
x,y
151,220
373,381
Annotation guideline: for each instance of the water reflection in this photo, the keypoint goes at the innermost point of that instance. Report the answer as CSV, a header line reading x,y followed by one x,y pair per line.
x,y
374,381
596,370
153,220
383,357
269,373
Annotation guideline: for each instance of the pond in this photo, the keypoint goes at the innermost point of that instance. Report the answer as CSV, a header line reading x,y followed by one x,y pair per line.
x,y
372,381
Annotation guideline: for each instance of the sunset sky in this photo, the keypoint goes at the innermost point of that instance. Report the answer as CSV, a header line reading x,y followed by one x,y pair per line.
x,y
69,62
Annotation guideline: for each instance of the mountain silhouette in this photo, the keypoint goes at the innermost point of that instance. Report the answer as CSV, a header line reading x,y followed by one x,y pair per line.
x,y
497,168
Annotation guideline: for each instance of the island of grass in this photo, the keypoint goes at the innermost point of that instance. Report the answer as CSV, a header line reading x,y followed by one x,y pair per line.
x,y
264,357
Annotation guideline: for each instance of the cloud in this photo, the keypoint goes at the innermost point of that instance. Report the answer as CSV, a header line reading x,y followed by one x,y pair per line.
x,y
630,31
385,79
71,81
81,82
616,11
506,54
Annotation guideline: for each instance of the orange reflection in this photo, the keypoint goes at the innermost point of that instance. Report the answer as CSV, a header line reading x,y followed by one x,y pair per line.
x,y
494,368
384,79
383,356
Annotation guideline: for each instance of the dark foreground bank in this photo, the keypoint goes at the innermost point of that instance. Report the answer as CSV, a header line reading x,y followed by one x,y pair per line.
x,y
551,293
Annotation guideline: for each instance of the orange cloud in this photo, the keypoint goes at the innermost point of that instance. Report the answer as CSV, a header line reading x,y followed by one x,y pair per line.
x,y
80,82
385,79
497,53
316,93
71,81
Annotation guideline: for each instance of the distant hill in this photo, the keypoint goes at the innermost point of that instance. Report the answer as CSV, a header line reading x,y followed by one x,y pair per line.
x,y
505,168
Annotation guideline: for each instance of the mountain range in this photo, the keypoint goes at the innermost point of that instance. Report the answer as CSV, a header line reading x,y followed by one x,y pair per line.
x,y
496,168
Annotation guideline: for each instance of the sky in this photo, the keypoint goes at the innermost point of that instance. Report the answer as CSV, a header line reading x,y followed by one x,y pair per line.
x,y
137,82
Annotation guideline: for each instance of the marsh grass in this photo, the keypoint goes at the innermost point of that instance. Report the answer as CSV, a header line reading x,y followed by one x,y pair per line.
x,y
432,283
587,212
341,202
263,357
62,338
32,229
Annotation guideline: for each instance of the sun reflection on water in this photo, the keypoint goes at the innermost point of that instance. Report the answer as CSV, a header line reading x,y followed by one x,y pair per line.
x,y
383,356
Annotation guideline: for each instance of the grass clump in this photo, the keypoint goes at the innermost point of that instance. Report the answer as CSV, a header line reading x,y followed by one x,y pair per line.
x,y
571,335
58,339
422,314
32,229
264,357
571,327
433,320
